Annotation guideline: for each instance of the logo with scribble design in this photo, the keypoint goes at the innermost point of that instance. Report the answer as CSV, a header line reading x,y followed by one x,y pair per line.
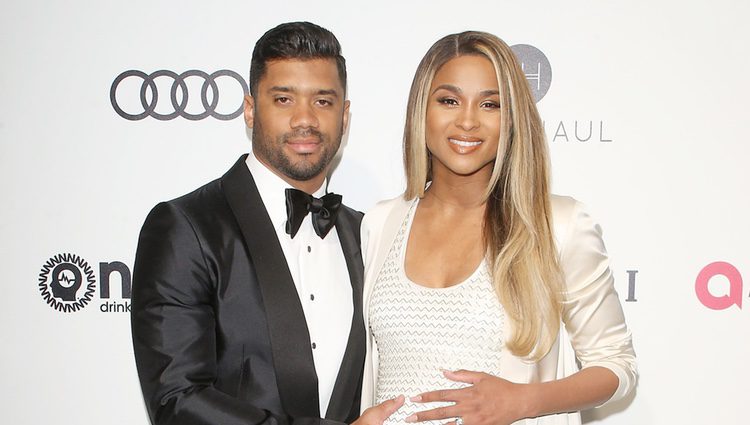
x,y
67,282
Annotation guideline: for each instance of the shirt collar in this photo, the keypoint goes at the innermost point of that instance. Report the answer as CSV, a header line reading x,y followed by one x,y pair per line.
x,y
272,187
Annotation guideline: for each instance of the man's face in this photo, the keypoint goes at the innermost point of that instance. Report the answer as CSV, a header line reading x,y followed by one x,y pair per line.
x,y
298,117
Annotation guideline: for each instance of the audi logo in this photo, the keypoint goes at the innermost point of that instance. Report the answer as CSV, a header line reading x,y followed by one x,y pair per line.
x,y
178,95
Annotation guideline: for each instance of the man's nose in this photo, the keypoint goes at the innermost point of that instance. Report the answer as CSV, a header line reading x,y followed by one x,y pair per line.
x,y
304,116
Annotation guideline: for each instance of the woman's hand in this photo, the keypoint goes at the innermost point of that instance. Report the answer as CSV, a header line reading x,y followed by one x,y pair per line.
x,y
493,400
488,401
375,415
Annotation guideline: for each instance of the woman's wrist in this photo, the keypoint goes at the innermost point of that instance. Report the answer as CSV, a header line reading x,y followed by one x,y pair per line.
x,y
530,405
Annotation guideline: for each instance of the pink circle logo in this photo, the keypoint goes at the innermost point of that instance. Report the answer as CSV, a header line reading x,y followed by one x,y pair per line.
x,y
725,301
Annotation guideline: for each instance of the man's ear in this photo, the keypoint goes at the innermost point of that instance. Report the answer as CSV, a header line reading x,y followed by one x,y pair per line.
x,y
249,110
346,116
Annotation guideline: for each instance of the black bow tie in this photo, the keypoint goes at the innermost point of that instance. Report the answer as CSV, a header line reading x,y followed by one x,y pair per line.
x,y
299,203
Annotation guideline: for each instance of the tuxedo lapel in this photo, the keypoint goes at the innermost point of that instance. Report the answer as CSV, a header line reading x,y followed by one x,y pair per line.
x,y
347,388
290,338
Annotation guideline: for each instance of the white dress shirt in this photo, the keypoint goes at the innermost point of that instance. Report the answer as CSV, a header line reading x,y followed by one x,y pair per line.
x,y
320,275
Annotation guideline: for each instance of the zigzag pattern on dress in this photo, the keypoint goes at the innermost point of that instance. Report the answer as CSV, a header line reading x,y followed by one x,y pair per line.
x,y
419,330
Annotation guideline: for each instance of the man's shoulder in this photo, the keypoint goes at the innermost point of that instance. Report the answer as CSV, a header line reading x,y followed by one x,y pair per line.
x,y
204,204
351,212
211,194
204,199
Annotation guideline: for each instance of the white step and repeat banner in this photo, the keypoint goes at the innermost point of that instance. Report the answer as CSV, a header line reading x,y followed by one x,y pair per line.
x,y
109,107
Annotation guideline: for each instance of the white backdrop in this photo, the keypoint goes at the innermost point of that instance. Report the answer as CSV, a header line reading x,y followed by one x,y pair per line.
x,y
663,83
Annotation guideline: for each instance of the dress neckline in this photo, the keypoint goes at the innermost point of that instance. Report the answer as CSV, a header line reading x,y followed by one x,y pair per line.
x,y
402,257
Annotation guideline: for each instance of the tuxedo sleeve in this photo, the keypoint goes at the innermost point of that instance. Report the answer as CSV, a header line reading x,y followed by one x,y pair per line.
x,y
174,330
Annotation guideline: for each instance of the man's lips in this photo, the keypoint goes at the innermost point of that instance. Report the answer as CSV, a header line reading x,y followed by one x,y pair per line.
x,y
304,146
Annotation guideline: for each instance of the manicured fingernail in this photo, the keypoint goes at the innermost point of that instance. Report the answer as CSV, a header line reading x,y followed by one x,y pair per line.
x,y
411,419
416,398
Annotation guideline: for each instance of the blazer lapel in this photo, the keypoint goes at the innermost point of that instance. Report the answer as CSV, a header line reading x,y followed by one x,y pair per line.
x,y
290,338
345,396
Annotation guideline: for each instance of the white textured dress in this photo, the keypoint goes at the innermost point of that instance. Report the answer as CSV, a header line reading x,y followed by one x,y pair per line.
x,y
420,330
592,332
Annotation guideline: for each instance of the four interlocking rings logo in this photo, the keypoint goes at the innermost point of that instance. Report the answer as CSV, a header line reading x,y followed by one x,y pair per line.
x,y
178,94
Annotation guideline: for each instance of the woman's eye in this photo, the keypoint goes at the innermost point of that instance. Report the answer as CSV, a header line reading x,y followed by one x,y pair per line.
x,y
491,105
447,101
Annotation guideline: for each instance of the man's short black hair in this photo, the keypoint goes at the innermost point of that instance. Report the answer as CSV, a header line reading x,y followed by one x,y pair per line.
x,y
295,40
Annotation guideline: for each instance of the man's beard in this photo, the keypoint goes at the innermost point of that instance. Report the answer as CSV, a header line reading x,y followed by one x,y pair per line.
x,y
271,151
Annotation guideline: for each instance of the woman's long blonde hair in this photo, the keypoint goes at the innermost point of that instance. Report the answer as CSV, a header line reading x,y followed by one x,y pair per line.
x,y
517,230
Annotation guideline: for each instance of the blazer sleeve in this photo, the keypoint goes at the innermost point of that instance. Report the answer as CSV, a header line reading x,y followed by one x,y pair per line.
x,y
379,227
592,313
173,327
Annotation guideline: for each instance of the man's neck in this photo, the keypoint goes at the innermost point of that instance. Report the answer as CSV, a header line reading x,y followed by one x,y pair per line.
x,y
308,186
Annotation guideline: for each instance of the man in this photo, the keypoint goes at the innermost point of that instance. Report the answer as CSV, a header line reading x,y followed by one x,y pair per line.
x,y
240,313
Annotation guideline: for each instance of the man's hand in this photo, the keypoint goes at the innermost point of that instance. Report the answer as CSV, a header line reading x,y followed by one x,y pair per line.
x,y
375,415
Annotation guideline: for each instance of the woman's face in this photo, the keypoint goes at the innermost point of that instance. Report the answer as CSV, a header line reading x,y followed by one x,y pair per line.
x,y
463,117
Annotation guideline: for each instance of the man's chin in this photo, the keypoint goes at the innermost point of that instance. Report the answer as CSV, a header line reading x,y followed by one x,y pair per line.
x,y
304,171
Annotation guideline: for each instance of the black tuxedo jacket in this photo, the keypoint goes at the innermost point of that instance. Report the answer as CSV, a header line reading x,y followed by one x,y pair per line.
x,y
219,334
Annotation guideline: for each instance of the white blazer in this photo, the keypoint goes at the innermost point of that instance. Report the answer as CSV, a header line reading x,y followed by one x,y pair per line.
x,y
593,331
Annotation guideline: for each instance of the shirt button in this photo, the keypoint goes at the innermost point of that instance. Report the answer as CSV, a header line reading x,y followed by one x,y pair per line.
x,y
314,345
312,297
309,249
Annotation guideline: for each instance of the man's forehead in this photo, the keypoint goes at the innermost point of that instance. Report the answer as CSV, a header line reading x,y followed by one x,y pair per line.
x,y
301,61
313,74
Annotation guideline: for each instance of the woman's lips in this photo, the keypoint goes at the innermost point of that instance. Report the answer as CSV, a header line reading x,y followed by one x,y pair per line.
x,y
464,145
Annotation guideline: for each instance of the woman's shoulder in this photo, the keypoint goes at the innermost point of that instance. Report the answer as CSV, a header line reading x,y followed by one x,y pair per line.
x,y
380,225
573,226
563,207
570,218
380,212
562,210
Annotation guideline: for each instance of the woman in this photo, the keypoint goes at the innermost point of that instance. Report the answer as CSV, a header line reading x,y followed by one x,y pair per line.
x,y
478,280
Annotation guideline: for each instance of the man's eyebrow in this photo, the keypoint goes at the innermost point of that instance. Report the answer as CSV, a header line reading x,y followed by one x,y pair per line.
x,y
288,89
328,92
283,89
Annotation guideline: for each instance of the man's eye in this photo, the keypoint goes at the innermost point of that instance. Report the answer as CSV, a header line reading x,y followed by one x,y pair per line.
x,y
324,102
283,100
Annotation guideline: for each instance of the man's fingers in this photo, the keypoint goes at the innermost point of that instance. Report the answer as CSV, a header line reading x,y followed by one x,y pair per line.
x,y
388,407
